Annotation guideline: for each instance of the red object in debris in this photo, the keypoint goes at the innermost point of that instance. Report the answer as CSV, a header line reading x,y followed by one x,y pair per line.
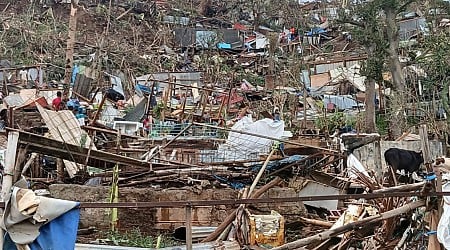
x,y
250,39
241,27
330,106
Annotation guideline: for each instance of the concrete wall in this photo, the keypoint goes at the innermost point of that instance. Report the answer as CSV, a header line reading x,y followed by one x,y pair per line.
x,y
165,218
366,153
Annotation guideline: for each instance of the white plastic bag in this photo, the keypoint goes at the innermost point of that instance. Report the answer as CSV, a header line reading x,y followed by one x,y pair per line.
x,y
443,229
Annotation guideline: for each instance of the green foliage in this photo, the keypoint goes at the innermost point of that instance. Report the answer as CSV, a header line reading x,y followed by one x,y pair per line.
x,y
333,121
135,238
382,124
368,31
158,109
83,140
436,64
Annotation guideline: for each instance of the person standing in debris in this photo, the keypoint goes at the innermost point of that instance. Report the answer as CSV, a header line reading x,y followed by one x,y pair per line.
x,y
23,74
147,124
293,33
276,114
57,102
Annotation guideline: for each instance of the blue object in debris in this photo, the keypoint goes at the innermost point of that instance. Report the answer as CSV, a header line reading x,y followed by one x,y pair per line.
x,y
73,103
224,46
235,185
430,176
316,31
274,165
143,88
60,233
430,233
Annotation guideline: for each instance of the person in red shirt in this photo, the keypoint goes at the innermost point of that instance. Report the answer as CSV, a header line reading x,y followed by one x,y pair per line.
x,y
57,102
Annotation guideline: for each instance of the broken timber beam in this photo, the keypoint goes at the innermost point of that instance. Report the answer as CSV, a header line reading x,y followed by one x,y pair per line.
x,y
402,188
110,131
43,145
350,226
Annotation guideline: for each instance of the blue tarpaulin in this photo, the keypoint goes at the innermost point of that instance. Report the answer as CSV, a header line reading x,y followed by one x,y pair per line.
x,y
342,102
58,234
274,165
235,185
316,31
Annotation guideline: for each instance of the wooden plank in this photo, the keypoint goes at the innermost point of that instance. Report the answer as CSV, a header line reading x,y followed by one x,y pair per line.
x,y
43,145
8,174
10,162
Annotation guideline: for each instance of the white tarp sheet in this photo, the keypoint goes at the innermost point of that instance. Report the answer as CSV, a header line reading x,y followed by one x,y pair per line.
x,y
443,229
354,165
239,146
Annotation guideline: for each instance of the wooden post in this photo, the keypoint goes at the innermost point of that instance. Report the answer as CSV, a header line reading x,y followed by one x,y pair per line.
x,y
229,100
20,158
59,170
378,161
425,147
149,101
10,158
70,44
188,227
99,110
11,117
433,243
10,162
434,215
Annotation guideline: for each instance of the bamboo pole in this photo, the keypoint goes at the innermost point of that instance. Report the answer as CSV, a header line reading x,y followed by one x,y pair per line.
x,y
260,173
99,110
317,222
401,188
351,226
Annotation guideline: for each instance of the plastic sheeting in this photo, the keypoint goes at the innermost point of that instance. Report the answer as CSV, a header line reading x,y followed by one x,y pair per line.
x,y
275,165
443,229
342,102
39,222
240,146
252,144
355,165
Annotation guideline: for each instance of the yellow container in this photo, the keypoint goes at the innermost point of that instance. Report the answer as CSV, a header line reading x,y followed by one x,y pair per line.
x,y
267,229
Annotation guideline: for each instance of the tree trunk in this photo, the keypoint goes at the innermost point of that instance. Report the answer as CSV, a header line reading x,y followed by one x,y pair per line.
x,y
393,38
398,121
370,107
70,45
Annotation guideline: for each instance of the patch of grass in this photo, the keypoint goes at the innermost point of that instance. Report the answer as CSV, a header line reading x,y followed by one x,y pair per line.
x,y
135,238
